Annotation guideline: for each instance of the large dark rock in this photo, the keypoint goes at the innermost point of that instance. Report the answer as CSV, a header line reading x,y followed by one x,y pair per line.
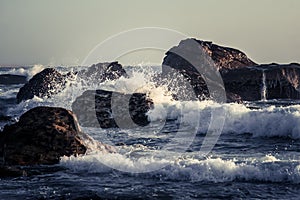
x,y
10,79
107,109
243,79
208,58
103,71
278,81
44,84
42,136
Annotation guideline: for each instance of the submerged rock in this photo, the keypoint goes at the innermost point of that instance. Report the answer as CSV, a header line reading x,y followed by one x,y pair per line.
x,y
107,109
43,84
42,136
10,79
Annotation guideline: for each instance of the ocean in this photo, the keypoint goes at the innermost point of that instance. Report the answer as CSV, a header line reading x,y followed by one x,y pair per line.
x,y
256,155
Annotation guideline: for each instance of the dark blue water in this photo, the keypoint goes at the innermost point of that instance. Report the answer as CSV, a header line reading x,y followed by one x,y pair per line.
x,y
256,155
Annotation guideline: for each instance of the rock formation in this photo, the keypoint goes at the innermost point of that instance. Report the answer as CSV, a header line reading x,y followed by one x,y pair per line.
x,y
208,58
50,81
243,79
103,108
278,81
42,136
44,84
103,71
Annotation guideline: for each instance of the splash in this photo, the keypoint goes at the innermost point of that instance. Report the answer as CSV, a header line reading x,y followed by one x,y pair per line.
x,y
264,87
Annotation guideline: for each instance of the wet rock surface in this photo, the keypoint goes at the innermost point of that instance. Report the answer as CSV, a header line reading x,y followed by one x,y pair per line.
x,y
107,109
242,79
43,84
41,136
50,81
103,71
278,81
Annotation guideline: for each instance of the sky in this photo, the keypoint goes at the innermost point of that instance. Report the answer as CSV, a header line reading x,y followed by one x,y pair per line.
x,y
59,32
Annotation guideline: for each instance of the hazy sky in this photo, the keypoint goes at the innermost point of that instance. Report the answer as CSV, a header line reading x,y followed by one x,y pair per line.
x,y
63,32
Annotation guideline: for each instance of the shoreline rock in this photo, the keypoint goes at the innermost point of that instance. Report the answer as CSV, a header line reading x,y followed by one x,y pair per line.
x,y
49,81
43,84
243,79
94,109
278,81
42,136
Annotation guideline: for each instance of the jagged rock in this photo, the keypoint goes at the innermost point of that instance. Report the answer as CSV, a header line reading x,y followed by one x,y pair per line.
x,y
243,79
10,79
44,84
103,108
280,81
42,136
208,58
226,57
103,71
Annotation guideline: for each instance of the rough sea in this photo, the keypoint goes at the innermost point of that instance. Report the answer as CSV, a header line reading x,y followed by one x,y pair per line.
x,y
256,155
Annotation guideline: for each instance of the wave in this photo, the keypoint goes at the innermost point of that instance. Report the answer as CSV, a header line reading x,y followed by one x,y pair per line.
x,y
264,169
267,121
29,72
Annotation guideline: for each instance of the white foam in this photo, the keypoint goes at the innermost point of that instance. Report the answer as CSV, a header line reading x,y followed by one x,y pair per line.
x,y
28,72
265,122
190,169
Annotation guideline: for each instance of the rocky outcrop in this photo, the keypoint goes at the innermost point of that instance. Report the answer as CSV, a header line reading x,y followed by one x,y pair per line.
x,y
107,109
50,81
277,81
198,62
10,79
103,71
42,136
226,57
44,84
243,79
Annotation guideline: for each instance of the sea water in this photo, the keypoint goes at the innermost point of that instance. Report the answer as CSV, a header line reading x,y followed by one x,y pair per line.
x,y
256,154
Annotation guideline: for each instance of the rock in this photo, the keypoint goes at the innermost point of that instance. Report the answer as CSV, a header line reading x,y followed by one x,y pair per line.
x,y
180,60
280,81
50,81
94,109
44,84
233,98
226,57
4,118
103,71
244,80
42,136
10,79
